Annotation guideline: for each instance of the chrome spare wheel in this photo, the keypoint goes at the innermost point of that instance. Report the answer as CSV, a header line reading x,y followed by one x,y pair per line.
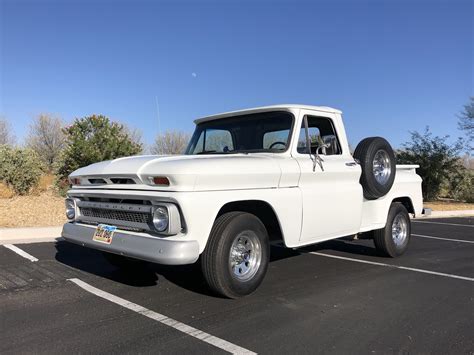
x,y
381,167
399,230
245,256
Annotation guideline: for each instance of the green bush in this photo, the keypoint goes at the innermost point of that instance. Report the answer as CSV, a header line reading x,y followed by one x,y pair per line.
x,y
461,186
20,169
438,160
90,140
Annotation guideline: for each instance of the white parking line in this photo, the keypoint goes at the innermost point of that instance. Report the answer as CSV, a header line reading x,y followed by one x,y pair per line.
x,y
196,333
395,266
20,252
448,224
447,239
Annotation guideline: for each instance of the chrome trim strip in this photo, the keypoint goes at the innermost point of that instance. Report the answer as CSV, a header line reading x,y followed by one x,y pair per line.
x,y
116,206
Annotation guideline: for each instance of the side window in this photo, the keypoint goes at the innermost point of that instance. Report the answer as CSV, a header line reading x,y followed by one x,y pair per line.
x,y
313,137
320,129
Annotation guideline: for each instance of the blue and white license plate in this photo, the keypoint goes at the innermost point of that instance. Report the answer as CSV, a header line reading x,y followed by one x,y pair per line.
x,y
104,233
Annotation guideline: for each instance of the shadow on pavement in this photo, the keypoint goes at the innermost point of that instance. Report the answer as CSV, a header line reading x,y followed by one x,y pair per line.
x,y
93,262
188,277
359,247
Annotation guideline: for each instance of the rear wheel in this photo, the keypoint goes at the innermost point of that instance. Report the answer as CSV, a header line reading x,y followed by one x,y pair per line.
x,y
236,257
393,240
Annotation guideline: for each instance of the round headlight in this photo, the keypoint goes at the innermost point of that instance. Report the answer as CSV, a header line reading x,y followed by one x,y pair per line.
x,y
160,219
70,209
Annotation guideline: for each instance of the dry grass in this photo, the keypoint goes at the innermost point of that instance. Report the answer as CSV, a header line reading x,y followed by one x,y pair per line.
x,y
5,191
43,207
45,183
448,206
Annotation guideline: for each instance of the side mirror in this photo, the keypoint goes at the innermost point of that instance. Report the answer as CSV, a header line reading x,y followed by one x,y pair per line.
x,y
330,144
321,145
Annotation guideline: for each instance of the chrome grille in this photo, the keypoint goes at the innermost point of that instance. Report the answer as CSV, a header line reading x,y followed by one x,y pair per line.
x,y
125,216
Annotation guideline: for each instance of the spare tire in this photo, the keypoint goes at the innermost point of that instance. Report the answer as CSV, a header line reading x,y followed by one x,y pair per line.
x,y
377,160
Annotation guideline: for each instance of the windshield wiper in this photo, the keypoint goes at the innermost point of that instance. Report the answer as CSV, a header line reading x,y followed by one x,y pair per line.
x,y
206,151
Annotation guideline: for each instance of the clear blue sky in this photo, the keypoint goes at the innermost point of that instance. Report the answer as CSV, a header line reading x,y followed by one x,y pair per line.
x,y
391,66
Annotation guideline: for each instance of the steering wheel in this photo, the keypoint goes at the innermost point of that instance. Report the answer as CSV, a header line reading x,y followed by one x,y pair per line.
x,y
275,143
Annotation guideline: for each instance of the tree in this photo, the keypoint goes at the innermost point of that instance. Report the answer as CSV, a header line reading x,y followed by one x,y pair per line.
x,y
6,136
466,121
46,138
135,134
170,142
93,139
437,158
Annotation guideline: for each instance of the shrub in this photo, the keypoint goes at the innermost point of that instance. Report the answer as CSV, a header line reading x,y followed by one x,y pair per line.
x,y
90,140
461,186
20,169
437,159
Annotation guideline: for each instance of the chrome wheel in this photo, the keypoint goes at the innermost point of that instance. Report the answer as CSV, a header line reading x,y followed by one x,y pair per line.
x,y
245,256
399,230
381,167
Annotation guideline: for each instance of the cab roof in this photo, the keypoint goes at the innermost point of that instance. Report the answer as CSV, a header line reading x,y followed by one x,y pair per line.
x,y
265,109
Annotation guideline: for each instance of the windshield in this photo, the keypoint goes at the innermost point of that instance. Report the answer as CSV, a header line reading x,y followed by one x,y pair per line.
x,y
258,132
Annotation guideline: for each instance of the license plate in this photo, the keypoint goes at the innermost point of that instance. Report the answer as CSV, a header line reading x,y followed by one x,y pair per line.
x,y
104,233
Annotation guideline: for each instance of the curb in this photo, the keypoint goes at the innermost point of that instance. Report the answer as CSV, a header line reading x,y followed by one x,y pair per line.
x,y
444,214
30,235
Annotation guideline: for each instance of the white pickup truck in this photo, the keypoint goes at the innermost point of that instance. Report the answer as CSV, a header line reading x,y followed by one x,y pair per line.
x,y
247,178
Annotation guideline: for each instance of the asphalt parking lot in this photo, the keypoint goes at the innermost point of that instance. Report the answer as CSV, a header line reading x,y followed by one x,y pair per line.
x,y
334,297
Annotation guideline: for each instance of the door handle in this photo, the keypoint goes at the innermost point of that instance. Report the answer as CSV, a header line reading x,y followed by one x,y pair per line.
x,y
351,163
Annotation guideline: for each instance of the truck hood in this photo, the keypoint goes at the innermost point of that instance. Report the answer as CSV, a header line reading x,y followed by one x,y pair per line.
x,y
186,172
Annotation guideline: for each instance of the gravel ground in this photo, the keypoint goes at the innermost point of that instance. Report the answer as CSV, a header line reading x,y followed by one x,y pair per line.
x,y
44,209
448,206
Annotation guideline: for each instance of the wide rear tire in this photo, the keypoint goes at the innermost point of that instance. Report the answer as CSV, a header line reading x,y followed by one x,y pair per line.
x,y
236,257
392,241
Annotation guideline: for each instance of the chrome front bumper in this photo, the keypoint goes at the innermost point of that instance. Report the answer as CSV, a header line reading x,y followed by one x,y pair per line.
x,y
139,246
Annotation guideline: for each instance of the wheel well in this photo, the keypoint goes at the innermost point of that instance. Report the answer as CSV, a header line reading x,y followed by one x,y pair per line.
x,y
260,209
406,201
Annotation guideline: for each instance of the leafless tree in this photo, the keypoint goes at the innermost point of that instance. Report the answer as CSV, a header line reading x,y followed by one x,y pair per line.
x,y
170,142
6,135
466,123
46,138
135,134
466,119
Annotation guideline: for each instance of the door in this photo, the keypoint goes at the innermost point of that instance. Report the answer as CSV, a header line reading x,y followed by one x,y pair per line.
x,y
332,195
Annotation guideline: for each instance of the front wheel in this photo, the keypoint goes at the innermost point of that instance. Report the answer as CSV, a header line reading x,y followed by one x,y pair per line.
x,y
236,257
393,240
